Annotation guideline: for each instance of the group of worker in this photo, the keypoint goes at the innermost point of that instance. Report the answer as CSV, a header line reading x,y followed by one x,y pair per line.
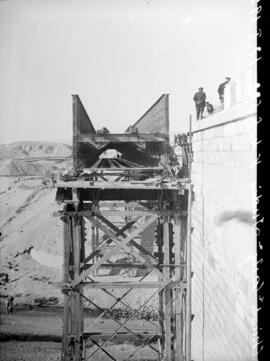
x,y
200,99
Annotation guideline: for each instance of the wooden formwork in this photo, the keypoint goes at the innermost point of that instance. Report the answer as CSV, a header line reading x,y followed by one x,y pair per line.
x,y
168,209
141,195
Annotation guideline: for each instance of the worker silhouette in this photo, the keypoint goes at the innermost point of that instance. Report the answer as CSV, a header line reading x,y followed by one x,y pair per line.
x,y
199,99
9,304
221,89
209,108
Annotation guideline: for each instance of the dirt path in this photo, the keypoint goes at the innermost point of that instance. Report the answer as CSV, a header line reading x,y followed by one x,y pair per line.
x,y
40,323
30,351
51,351
37,326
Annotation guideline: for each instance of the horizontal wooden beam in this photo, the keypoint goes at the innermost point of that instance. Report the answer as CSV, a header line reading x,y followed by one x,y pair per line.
x,y
121,138
138,333
118,265
116,185
107,213
154,284
98,194
124,170
87,213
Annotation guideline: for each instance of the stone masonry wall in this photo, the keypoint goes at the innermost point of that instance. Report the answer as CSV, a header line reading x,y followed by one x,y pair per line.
x,y
223,237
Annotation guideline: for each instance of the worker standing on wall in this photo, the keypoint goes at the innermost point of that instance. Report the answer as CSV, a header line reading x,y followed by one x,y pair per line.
x,y
199,99
221,89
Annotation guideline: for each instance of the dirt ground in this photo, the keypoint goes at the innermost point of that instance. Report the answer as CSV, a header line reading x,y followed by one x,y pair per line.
x,y
51,351
30,351
27,225
31,243
33,327
45,323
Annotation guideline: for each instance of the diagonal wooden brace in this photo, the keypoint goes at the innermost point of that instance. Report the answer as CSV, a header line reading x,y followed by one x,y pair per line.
x,y
142,257
106,241
132,242
112,236
123,242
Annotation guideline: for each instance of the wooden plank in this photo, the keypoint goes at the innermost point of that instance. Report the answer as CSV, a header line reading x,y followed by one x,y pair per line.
x,y
115,284
115,185
138,333
66,258
97,244
146,194
124,241
73,315
116,169
82,264
179,355
121,138
123,284
108,213
161,293
125,171
76,309
76,295
118,265
167,293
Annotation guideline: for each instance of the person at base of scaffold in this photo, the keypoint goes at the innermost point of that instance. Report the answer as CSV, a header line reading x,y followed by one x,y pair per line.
x,y
199,99
9,304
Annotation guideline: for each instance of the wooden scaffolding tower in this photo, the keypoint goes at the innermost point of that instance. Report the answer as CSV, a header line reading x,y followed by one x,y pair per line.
x,y
119,211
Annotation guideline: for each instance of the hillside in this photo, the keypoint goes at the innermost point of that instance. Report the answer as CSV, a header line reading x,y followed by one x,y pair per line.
x,y
32,247
34,158
27,149
31,238
26,221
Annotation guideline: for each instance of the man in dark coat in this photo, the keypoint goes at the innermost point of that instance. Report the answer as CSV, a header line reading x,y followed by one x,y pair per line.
x,y
221,89
199,99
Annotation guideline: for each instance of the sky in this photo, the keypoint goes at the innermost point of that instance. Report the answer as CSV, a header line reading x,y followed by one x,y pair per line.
x,y
119,56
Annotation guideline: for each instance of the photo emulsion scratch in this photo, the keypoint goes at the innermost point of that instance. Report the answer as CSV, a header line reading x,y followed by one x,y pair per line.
x,y
128,160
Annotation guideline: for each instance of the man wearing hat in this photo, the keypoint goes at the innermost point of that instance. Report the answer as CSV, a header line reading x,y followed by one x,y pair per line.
x,y
221,88
199,99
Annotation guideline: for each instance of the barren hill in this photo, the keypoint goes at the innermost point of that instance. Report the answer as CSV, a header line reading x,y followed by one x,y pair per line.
x,y
26,221
27,149
34,158
31,238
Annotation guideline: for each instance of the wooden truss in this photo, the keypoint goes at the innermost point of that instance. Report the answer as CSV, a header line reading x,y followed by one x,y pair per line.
x,y
169,339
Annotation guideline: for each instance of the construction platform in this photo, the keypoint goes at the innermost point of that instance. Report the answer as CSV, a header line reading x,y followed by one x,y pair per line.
x,y
129,211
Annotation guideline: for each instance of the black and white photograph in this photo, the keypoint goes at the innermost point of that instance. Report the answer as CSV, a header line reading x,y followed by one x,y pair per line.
x,y
128,180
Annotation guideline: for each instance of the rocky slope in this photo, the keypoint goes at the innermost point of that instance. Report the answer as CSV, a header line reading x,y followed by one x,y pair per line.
x,y
34,158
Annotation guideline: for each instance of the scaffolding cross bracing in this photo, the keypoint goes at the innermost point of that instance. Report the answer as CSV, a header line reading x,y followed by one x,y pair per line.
x,y
121,209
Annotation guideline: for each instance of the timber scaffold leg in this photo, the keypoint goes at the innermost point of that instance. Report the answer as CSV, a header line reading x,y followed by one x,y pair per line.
x,y
165,274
